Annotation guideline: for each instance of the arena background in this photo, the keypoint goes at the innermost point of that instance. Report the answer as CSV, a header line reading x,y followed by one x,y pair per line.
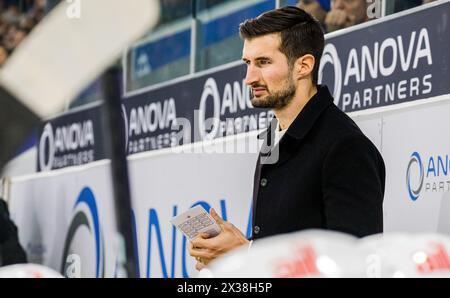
x,y
391,75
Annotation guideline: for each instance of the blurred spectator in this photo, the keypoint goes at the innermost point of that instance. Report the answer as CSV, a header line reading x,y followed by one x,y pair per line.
x,y
8,38
3,28
26,23
18,37
3,56
17,19
11,15
346,13
316,8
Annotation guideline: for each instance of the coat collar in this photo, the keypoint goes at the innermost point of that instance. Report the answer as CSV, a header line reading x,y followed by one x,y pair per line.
x,y
307,117
297,130
310,113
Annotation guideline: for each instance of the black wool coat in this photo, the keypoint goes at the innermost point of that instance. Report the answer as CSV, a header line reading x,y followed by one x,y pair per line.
x,y
323,174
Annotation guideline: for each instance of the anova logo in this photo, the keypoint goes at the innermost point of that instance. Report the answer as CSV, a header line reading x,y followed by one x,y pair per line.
x,y
414,191
393,56
330,56
235,98
226,109
151,117
84,250
427,175
148,125
63,140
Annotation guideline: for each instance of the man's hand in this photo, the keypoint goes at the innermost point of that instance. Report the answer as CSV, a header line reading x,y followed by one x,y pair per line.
x,y
338,19
205,249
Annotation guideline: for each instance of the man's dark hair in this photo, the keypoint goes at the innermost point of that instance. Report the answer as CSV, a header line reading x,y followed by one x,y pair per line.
x,y
300,33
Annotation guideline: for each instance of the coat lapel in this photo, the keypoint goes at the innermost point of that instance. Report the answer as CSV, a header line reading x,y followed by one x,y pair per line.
x,y
297,131
271,154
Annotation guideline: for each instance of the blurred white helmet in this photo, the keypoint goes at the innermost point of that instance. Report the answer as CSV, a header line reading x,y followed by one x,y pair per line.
x,y
407,255
28,271
313,253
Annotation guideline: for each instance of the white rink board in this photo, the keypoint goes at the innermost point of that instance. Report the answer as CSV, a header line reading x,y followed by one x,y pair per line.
x,y
423,130
43,208
163,182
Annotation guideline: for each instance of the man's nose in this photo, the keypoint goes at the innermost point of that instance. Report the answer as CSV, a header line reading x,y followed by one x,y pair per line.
x,y
252,75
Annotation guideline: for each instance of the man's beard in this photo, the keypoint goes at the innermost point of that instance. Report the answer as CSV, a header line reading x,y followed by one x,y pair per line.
x,y
276,100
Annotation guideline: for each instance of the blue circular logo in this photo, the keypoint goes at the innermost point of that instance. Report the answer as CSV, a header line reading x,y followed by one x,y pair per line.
x,y
414,192
81,219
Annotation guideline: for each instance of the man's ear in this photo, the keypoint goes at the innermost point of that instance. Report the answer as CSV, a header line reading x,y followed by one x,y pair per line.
x,y
304,66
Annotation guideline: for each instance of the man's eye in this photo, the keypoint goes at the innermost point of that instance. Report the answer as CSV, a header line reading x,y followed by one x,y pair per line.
x,y
264,62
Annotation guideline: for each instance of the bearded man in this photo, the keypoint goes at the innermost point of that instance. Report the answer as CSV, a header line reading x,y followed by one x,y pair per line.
x,y
316,169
